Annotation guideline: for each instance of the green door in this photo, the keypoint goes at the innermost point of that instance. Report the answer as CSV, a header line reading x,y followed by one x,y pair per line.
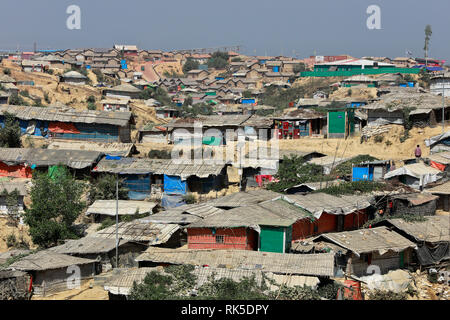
x,y
336,124
272,239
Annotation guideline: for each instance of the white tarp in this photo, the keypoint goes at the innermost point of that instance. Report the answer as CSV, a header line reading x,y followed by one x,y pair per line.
x,y
395,280
424,173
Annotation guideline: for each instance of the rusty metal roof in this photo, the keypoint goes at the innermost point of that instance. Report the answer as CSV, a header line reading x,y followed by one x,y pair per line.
x,y
119,118
283,263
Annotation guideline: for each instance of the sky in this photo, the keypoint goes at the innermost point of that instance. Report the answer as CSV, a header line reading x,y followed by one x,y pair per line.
x,y
298,28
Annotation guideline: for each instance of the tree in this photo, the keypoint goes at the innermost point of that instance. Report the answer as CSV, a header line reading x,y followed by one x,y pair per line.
x,y
188,101
189,65
428,33
218,60
299,67
17,100
10,133
247,94
56,203
104,188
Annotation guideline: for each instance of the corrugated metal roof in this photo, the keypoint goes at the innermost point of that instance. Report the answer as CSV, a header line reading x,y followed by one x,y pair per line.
x,y
87,245
139,230
159,166
379,239
440,189
119,118
123,283
46,260
75,159
114,149
284,263
16,184
417,170
434,229
185,214
126,207
244,198
319,203
440,157
273,213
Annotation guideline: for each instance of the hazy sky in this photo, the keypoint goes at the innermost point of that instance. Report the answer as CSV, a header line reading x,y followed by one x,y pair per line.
x,y
263,27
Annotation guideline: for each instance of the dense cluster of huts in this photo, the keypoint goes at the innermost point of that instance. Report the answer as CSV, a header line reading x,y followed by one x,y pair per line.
x,y
301,237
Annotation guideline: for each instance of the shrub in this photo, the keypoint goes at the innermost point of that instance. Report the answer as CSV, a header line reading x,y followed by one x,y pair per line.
x,y
189,198
7,71
92,106
11,241
378,139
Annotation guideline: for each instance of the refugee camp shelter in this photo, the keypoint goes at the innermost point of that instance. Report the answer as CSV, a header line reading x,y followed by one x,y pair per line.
x,y
184,214
318,265
52,271
111,104
243,198
168,176
122,91
102,250
102,209
424,108
409,203
111,149
375,246
20,162
119,287
64,123
370,170
8,187
431,235
439,143
328,213
74,78
265,227
440,160
14,285
142,231
416,175
300,123
443,192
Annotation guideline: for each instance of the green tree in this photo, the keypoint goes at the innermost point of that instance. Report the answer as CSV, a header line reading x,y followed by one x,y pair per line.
x,y
56,203
218,60
189,65
299,67
104,188
10,133
17,100
247,94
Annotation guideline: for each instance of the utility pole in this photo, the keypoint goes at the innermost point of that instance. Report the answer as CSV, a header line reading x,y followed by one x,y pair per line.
x,y
443,103
117,220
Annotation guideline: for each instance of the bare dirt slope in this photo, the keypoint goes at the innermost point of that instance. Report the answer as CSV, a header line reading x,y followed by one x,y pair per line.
x,y
7,229
382,150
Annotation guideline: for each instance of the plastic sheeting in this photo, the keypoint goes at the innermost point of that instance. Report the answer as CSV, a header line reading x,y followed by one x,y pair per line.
x,y
62,127
396,280
172,201
174,185
428,255
19,171
438,166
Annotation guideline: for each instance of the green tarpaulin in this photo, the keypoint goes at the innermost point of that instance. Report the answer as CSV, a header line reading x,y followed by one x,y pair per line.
x,y
212,141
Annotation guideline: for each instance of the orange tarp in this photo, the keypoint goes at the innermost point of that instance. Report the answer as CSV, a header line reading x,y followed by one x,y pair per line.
x,y
18,171
438,166
62,127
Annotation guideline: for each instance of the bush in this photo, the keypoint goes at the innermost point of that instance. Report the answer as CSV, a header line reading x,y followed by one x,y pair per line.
x,y
55,204
17,100
92,106
10,133
189,198
104,188
378,139
7,71
11,241
91,99
189,65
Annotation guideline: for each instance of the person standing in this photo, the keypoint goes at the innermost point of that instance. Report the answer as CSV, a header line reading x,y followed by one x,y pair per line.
x,y
418,153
